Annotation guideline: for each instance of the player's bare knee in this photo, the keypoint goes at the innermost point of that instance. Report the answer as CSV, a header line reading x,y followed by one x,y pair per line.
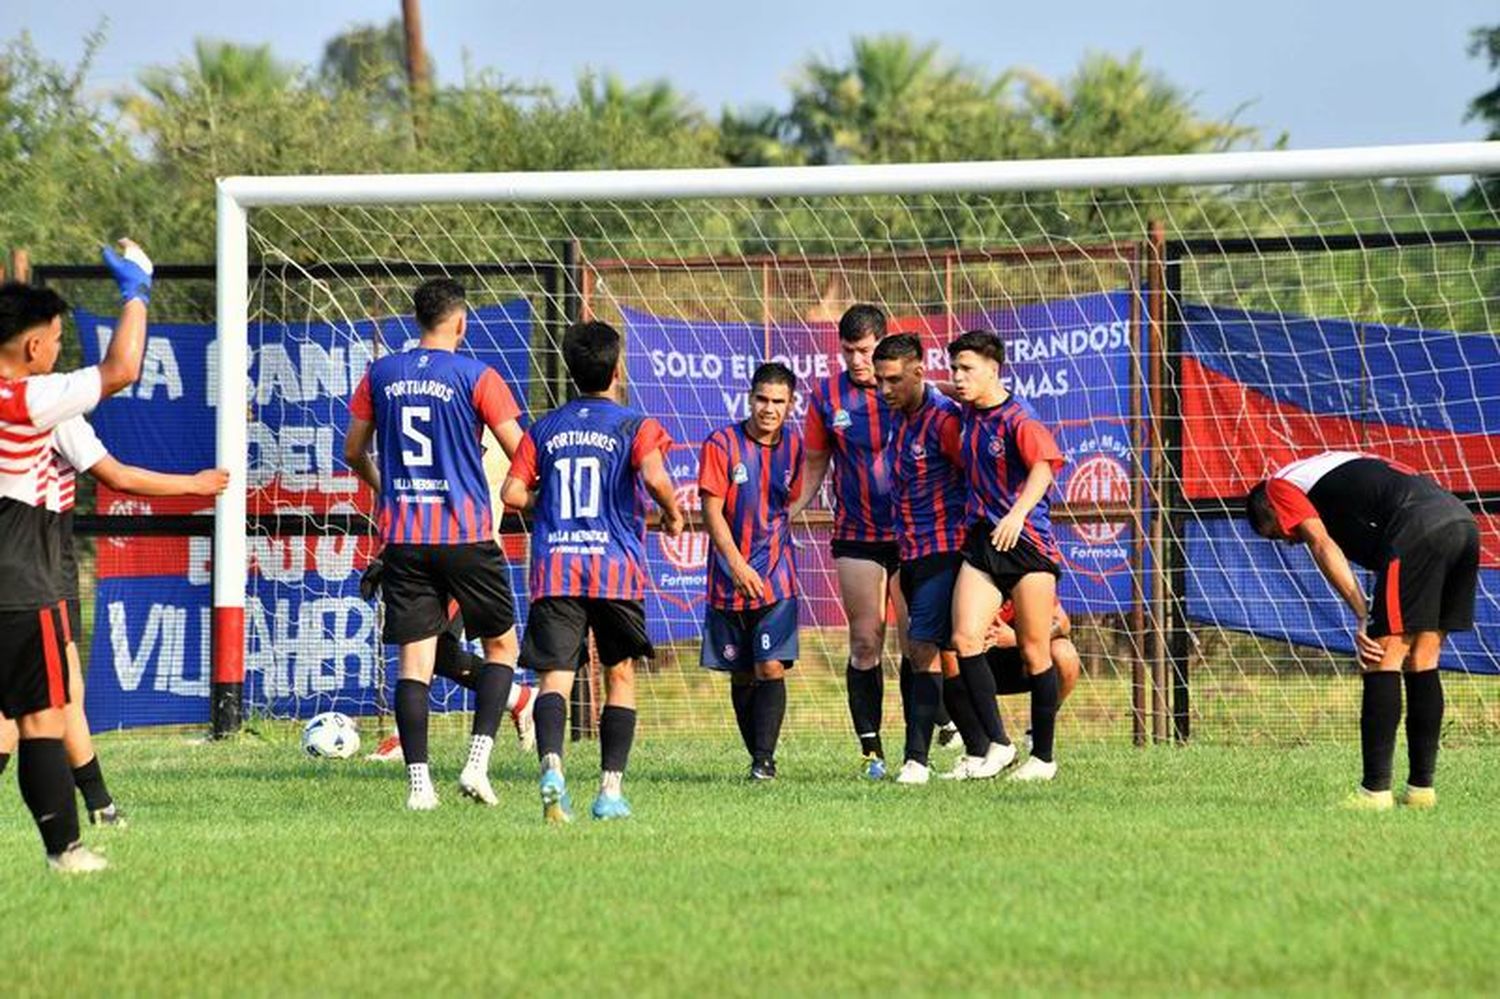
x,y
770,671
865,646
48,724
1036,657
504,649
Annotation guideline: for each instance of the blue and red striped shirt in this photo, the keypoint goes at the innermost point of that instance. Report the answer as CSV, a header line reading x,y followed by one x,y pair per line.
x,y
757,483
430,408
1000,446
853,422
928,490
588,529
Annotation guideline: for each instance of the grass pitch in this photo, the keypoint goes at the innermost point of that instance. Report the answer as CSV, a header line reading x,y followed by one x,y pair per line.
x,y
249,869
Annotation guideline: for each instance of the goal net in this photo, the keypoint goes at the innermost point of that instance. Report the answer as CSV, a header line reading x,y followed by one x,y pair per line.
x,y
1183,324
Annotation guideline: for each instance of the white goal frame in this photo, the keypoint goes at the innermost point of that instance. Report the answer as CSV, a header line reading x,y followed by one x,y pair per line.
x,y
236,195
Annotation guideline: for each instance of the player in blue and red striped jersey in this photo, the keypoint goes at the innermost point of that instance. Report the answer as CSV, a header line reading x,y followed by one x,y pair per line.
x,y
928,501
748,475
427,408
1011,460
580,470
847,426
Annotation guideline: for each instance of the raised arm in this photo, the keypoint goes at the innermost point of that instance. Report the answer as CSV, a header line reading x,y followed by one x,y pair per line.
x,y
131,269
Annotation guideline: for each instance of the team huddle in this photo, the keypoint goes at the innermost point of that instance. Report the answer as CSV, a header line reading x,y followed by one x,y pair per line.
x,y
940,513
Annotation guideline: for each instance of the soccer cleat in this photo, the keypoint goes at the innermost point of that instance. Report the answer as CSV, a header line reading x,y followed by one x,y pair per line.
x,y
523,717
1363,800
1000,756
763,770
947,736
1419,798
475,785
557,807
874,767
389,751
963,767
76,859
421,799
1034,769
913,772
608,807
110,816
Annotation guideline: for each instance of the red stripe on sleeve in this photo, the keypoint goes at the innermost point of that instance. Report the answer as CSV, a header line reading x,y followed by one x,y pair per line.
x,y
361,406
493,400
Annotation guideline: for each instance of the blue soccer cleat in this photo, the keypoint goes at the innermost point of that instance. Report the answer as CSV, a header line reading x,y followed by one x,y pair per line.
x,y
610,806
557,807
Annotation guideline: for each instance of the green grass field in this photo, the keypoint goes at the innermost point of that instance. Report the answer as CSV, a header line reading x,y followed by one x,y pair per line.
x,y
249,869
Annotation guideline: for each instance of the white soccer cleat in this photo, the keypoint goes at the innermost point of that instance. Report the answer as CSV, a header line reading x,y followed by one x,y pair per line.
x,y
77,859
420,797
523,715
1000,756
963,767
913,772
1034,769
475,785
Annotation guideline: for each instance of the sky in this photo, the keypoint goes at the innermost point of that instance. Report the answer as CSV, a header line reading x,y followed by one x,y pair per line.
x,y
1325,72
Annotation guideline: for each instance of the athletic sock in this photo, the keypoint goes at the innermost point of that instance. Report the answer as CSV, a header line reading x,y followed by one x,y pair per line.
x,y
961,709
904,677
411,719
551,717
490,693
90,782
866,697
942,719
768,710
1043,713
47,788
456,663
740,695
926,695
981,686
1424,725
616,735
1379,716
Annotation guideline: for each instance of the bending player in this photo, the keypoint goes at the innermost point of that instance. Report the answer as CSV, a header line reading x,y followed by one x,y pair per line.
x,y
1010,459
847,426
76,448
33,401
928,496
1422,544
580,469
427,407
749,474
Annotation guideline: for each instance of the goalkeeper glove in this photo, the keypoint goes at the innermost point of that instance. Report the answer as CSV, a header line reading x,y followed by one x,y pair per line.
x,y
131,270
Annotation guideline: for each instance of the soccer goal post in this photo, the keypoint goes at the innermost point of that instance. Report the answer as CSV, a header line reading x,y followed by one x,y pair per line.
x,y
1184,323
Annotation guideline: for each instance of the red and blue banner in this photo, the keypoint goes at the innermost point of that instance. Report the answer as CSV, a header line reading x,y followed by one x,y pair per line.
x,y
1260,390
312,642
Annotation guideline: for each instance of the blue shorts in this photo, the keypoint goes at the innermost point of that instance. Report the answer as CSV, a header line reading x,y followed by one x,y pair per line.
x,y
737,640
927,584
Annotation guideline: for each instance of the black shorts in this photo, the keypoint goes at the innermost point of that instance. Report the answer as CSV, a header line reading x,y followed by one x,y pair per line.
x,y
883,553
1429,582
33,661
421,580
1004,568
557,630
1008,670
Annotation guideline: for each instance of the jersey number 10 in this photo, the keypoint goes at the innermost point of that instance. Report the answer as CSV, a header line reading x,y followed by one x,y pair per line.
x,y
578,487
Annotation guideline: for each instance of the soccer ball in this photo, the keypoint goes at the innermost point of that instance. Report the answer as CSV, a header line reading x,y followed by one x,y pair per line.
x,y
330,735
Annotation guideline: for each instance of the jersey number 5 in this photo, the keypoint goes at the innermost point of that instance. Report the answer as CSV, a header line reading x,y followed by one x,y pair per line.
x,y
578,487
421,453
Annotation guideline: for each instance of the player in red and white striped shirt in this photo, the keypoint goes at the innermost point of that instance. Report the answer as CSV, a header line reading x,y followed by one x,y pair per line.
x,y
34,400
76,448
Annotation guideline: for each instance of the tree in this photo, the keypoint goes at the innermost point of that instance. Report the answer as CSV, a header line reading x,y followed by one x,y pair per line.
x,y
225,70
371,59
